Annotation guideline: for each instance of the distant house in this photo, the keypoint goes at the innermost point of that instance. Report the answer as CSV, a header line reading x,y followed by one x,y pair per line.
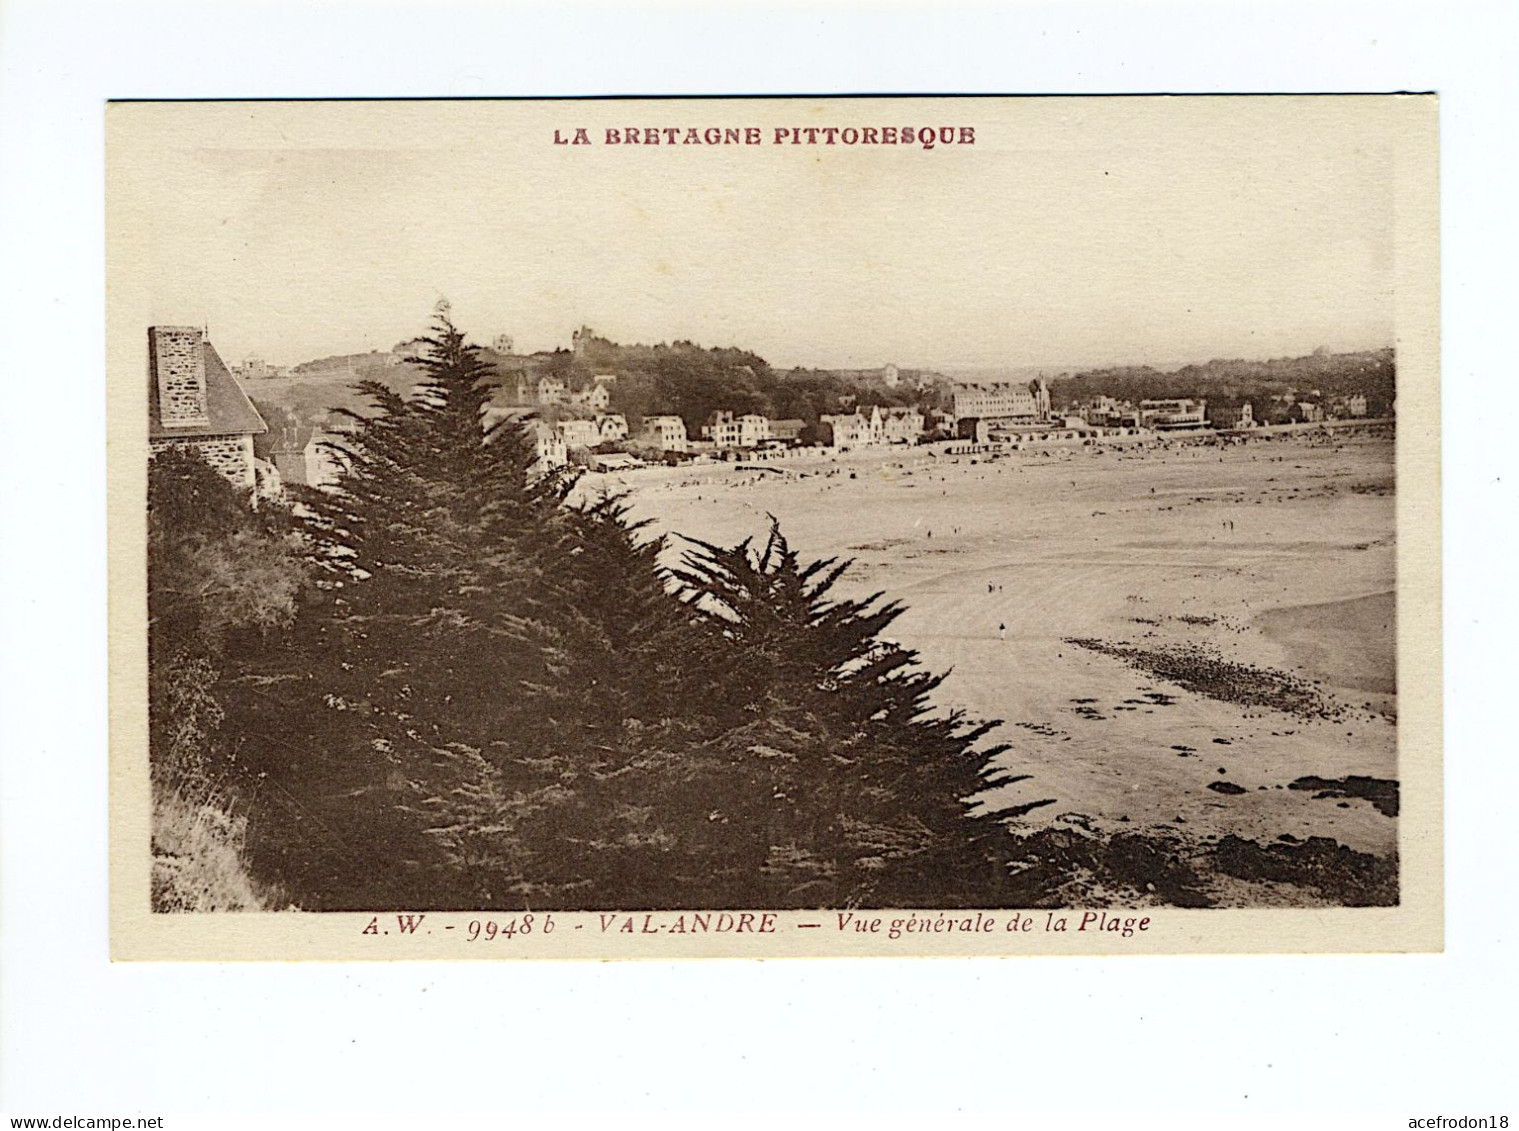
x,y
787,431
753,430
195,402
1100,412
1306,412
1174,415
668,433
1351,406
902,425
502,343
856,430
552,450
612,427
257,369
551,390
723,429
547,442
580,433
594,397
892,376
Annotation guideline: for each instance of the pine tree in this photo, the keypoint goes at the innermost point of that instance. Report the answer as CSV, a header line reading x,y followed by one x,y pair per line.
x,y
875,794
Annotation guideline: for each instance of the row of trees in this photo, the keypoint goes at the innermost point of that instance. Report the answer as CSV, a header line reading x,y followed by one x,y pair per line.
x,y
443,686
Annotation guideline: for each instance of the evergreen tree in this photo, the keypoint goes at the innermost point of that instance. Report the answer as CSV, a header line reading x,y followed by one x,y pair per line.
x,y
495,697
819,778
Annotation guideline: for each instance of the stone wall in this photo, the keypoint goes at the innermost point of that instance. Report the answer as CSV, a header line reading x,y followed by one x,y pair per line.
x,y
179,367
230,455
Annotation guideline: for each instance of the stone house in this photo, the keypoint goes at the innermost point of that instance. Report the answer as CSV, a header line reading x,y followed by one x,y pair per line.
x,y
195,402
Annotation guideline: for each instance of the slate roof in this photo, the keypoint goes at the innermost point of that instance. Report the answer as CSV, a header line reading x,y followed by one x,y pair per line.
x,y
230,411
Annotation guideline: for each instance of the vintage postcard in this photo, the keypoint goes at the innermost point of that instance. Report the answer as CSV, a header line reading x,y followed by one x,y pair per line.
x,y
656,528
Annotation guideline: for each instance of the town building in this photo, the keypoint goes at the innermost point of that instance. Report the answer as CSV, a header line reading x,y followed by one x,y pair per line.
x,y
723,429
552,451
580,433
502,343
855,430
594,397
1173,415
1100,412
787,431
1003,402
902,425
548,443
753,430
195,402
257,369
613,427
551,390
1349,407
667,433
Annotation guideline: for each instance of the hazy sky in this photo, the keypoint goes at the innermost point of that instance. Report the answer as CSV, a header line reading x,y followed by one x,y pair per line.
x,y
1072,232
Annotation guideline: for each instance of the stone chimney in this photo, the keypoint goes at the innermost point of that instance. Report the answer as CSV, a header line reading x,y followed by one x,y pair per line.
x,y
178,360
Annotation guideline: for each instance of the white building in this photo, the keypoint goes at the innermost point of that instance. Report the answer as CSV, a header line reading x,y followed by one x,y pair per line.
x,y
580,433
553,452
902,425
594,397
612,427
1003,401
724,430
753,430
668,433
1173,415
856,430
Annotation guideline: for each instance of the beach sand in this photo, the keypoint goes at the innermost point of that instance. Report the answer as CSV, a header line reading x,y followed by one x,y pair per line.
x,y
1275,556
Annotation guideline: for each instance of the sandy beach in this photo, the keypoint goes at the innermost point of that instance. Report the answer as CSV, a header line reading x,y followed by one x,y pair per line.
x,y
1233,607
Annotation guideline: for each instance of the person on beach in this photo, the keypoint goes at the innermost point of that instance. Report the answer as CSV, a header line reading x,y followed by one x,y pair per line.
x,y
1002,632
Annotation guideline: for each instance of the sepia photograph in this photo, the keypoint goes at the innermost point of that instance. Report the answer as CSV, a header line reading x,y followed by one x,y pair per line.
x,y
774,526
